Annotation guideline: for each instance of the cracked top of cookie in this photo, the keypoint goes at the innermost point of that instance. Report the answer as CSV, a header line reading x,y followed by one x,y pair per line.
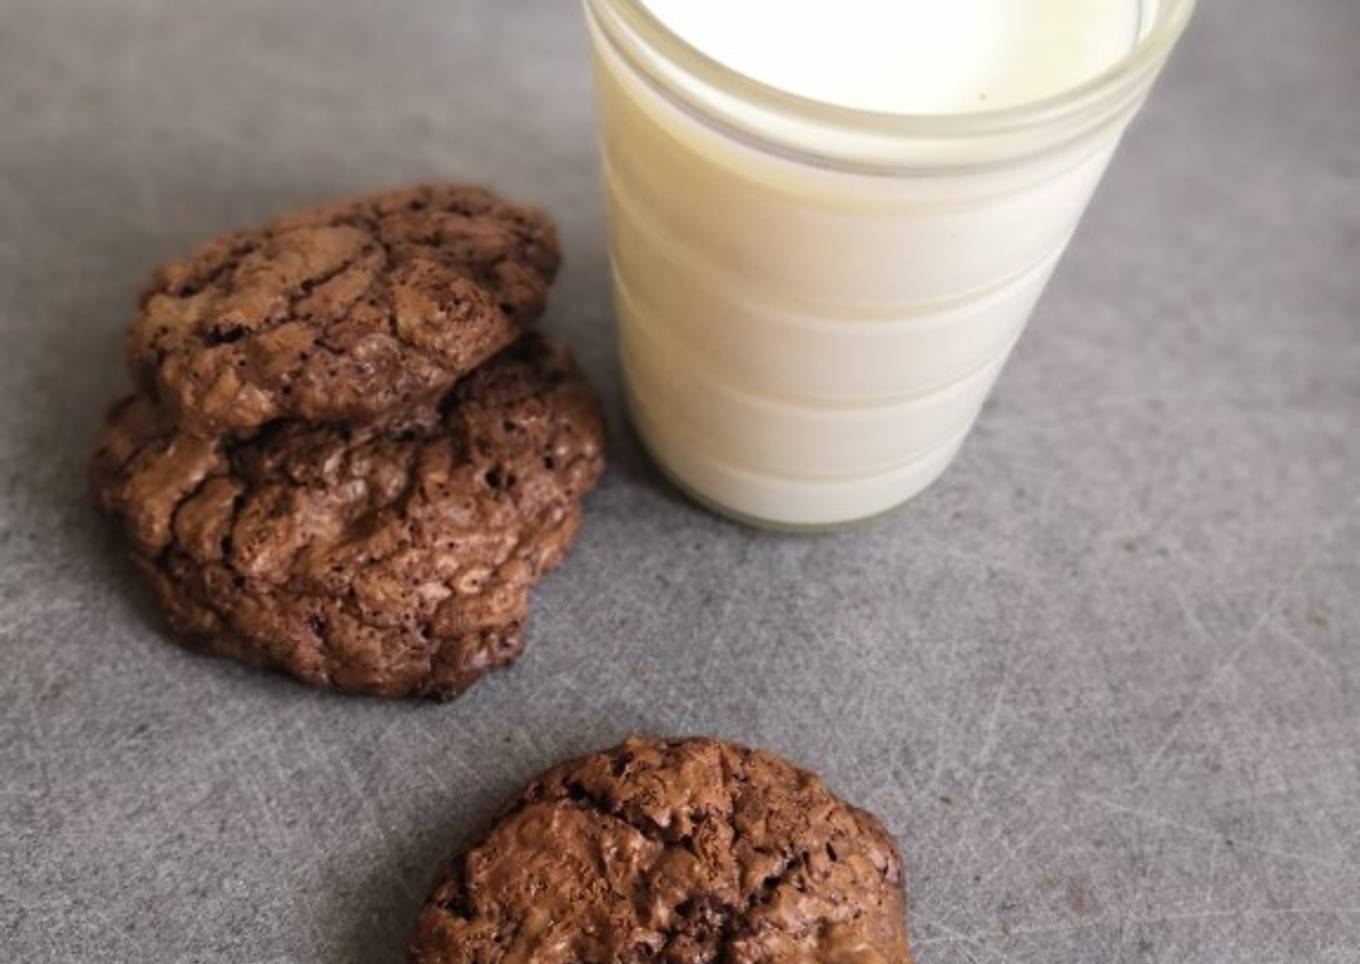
x,y
345,312
691,852
393,561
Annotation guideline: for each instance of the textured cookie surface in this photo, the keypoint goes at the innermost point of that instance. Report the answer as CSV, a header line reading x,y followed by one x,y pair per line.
x,y
394,561
686,852
345,312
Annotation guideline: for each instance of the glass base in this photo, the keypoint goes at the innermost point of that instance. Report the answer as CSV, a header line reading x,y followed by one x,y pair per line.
x,y
779,527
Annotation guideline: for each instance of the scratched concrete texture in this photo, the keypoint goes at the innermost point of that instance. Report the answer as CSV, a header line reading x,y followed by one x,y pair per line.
x,y
1102,682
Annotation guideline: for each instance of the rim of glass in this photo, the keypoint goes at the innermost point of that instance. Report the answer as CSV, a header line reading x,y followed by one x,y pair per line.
x,y
1172,16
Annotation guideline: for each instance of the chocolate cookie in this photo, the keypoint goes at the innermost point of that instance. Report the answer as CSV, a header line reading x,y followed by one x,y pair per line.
x,y
394,561
345,312
688,852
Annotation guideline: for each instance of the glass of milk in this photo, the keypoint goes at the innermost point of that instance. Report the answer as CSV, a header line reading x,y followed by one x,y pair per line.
x,y
831,219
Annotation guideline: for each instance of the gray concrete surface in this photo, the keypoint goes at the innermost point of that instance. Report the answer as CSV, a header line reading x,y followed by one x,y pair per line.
x,y
1103,681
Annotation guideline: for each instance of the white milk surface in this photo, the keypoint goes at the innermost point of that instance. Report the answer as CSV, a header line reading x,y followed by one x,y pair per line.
x,y
805,346
910,56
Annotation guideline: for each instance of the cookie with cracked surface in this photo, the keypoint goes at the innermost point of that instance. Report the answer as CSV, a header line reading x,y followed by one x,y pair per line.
x,y
348,311
689,852
395,561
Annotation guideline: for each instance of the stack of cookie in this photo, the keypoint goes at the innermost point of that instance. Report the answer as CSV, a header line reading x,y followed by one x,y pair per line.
x,y
347,457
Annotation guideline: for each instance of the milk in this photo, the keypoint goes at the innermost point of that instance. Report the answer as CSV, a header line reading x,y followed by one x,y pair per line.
x,y
910,56
814,301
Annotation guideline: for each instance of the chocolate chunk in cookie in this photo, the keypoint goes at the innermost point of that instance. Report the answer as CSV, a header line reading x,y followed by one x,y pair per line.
x,y
346,312
393,560
691,852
